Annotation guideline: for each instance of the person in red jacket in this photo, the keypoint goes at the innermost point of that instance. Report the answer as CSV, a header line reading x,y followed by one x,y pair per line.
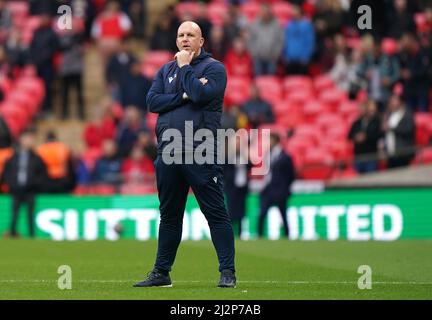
x,y
238,61
102,128
138,168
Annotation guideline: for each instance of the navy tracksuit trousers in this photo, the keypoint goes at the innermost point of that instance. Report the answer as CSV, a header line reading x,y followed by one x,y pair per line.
x,y
173,182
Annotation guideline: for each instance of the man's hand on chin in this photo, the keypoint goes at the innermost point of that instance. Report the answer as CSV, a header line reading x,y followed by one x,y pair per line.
x,y
184,57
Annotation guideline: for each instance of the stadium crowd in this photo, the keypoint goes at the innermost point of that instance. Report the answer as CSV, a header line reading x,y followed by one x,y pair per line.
x,y
345,101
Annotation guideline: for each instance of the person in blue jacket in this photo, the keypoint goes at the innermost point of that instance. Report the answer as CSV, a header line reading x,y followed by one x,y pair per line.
x,y
188,92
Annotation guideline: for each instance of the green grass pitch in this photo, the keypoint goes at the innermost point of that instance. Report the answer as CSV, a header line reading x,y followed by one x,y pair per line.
x,y
265,270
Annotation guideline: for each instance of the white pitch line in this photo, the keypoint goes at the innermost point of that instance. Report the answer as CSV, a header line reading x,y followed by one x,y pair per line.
x,y
239,281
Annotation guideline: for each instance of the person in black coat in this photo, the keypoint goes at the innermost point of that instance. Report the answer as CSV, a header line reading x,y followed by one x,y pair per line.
x,y
24,174
44,45
399,128
365,133
277,183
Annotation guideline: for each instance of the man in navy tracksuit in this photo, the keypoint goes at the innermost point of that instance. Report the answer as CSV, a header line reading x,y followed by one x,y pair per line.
x,y
188,92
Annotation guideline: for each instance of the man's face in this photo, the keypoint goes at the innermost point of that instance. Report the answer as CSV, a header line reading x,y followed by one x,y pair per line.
x,y
189,38
27,141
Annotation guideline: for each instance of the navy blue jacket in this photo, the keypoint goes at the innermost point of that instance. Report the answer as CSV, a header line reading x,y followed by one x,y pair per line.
x,y
204,103
283,175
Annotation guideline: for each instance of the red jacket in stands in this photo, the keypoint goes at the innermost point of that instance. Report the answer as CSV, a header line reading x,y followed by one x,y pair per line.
x,y
140,172
238,65
114,27
95,134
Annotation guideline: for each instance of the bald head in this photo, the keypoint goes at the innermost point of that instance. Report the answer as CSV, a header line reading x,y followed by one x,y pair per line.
x,y
189,37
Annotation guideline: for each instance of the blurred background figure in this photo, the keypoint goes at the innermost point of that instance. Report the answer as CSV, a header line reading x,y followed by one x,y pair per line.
x,y
128,130
299,43
58,160
399,129
24,174
110,28
365,133
108,167
381,72
265,41
44,46
415,65
238,62
277,184
257,110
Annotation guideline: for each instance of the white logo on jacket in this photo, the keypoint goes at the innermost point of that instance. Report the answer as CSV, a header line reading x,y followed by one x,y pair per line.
x,y
170,79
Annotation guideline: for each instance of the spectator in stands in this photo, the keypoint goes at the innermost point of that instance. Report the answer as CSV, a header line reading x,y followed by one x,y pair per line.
x,y
415,66
136,10
134,88
128,129
381,72
234,24
328,21
110,28
365,133
218,44
118,68
16,50
102,127
277,183
344,71
399,129
234,118
265,41
138,168
299,43
146,142
71,70
204,22
256,109
24,174
400,19
44,46
238,62
5,21
58,160
236,174
107,169
165,34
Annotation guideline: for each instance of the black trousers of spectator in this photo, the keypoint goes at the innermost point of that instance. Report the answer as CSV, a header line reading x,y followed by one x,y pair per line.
x,y
19,199
265,203
68,82
46,72
206,181
296,68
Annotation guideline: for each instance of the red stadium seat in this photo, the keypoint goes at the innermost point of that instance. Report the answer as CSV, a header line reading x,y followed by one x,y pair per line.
x,y
348,109
333,98
423,123
189,7
322,83
311,110
318,165
308,132
216,12
282,11
237,91
102,190
424,156
328,120
297,83
270,88
250,9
